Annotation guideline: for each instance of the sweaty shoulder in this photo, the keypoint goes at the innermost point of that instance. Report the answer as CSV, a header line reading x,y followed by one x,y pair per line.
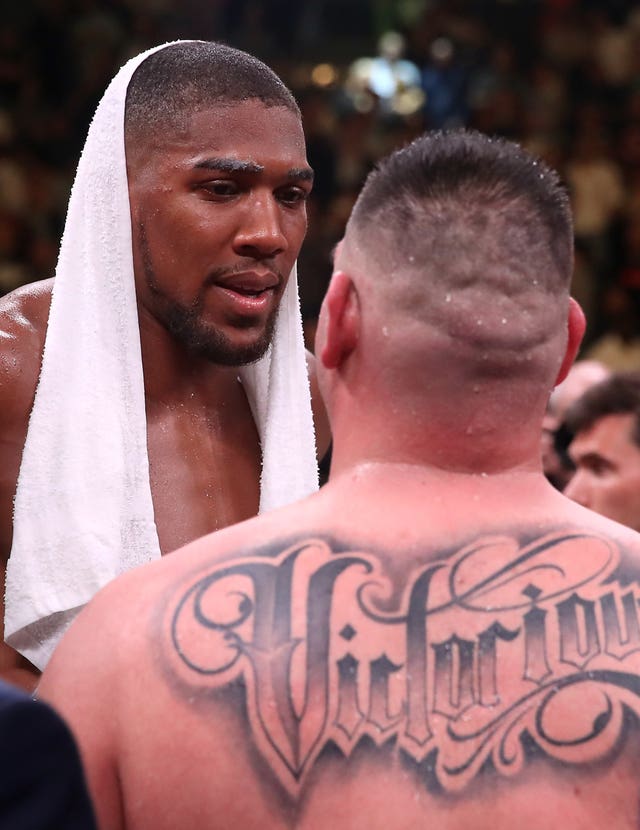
x,y
23,324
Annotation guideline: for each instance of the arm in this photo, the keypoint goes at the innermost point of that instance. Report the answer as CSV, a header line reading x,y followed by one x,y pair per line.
x,y
23,318
320,417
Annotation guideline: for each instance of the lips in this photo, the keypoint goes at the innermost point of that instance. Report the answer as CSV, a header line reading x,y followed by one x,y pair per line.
x,y
250,282
249,291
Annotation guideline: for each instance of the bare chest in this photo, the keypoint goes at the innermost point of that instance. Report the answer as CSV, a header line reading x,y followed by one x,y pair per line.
x,y
204,468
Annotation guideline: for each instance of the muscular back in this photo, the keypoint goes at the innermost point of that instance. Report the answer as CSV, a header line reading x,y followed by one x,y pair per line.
x,y
373,662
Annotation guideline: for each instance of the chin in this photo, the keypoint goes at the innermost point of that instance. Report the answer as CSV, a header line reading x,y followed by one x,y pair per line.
x,y
225,351
228,346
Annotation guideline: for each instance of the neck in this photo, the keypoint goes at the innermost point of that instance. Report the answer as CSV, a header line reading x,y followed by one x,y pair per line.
x,y
413,501
172,372
473,445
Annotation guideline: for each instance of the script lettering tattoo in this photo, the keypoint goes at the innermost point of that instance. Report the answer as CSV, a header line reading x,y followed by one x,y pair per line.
x,y
471,656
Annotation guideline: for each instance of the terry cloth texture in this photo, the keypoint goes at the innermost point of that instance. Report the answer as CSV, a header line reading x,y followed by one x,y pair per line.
x,y
83,510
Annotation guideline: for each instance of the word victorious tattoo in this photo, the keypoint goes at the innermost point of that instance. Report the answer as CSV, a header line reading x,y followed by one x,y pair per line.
x,y
475,659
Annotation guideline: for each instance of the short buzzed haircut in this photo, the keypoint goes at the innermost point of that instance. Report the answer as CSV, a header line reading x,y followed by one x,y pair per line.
x,y
185,77
473,236
451,180
619,394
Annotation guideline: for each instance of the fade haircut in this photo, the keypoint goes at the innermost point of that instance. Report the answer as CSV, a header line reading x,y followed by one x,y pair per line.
x,y
446,180
182,78
474,236
619,394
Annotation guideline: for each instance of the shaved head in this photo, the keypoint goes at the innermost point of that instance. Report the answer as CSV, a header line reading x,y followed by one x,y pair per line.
x,y
185,77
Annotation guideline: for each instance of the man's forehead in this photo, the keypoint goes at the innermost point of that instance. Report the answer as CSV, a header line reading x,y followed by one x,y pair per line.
x,y
248,138
612,431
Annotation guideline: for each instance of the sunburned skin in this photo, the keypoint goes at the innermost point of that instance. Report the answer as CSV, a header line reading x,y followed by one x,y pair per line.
x,y
476,663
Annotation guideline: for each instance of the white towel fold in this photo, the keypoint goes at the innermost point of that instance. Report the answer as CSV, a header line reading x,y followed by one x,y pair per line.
x,y
83,509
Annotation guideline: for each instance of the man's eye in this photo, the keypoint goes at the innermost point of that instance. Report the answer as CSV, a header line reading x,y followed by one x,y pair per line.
x,y
292,195
598,467
220,187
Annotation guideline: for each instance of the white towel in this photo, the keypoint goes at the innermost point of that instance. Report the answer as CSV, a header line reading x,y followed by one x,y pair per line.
x,y
83,511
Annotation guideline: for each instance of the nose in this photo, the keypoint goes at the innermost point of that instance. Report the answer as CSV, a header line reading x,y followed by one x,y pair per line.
x,y
260,233
578,489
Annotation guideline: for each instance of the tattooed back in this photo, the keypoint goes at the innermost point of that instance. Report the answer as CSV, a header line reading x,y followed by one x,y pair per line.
x,y
370,662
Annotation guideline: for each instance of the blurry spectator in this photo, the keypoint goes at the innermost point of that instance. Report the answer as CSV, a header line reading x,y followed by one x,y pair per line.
x,y
546,100
612,45
13,187
498,92
444,80
555,463
629,271
585,289
356,149
565,40
619,345
319,126
13,252
605,423
393,80
597,194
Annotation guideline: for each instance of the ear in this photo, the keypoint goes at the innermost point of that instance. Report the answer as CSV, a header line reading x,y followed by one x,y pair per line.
x,y
576,325
342,321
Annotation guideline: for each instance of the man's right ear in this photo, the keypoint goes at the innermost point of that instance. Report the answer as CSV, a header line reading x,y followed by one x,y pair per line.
x,y
342,321
576,325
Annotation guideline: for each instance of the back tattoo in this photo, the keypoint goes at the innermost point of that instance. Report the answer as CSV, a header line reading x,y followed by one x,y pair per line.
x,y
475,661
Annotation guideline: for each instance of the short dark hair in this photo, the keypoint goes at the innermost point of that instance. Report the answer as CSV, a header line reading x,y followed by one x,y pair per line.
x,y
618,394
471,237
445,180
182,77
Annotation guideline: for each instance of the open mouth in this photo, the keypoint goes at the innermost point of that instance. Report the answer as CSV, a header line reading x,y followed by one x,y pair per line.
x,y
249,292
245,299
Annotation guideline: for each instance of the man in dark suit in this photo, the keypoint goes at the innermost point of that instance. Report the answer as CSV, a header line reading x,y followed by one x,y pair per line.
x,y
41,779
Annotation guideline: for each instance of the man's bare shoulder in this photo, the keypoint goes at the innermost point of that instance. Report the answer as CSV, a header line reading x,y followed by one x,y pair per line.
x,y
26,308
23,325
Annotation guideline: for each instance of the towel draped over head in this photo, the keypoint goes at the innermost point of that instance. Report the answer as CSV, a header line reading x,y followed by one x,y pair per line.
x,y
83,509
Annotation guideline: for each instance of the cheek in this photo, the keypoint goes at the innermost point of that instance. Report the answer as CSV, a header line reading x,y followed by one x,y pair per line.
x,y
628,490
619,498
295,231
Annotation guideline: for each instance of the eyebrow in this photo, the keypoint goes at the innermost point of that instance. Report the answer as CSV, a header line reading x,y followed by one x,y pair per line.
x,y
229,165
591,457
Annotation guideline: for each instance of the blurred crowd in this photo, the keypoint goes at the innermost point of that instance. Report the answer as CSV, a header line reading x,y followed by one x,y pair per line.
x,y
560,76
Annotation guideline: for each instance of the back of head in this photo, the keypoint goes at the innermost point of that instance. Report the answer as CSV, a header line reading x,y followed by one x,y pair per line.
x,y
469,245
191,75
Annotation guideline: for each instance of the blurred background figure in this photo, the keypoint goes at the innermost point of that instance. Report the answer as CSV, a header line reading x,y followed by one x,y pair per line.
x,y
391,80
618,347
42,783
605,424
556,464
